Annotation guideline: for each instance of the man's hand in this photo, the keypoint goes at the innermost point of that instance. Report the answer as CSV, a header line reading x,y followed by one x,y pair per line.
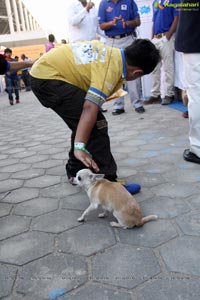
x,y
86,159
85,126
89,6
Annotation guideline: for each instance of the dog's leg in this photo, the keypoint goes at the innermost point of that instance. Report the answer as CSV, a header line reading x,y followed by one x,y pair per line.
x,y
117,225
87,211
103,214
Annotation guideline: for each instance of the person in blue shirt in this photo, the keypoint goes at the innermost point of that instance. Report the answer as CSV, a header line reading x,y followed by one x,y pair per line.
x,y
11,79
119,19
165,20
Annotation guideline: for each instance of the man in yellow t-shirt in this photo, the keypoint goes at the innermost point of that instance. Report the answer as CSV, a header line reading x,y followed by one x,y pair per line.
x,y
75,80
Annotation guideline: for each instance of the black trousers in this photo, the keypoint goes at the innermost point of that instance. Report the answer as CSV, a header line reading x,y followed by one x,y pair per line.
x,y
67,101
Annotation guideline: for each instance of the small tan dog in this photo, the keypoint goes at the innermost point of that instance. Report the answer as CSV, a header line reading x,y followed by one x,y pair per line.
x,y
113,197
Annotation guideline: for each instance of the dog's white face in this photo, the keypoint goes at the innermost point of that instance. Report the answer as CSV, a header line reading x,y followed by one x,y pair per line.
x,y
85,177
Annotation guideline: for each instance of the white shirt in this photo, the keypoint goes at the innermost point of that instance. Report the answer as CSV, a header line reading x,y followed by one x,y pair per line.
x,y
81,24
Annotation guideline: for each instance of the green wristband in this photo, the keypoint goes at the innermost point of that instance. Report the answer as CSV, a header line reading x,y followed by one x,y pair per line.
x,y
81,146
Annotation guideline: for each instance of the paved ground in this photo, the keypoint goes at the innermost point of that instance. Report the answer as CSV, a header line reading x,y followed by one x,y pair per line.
x,y
46,254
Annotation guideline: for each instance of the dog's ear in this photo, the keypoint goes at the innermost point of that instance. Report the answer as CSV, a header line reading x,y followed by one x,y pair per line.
x,y
95,177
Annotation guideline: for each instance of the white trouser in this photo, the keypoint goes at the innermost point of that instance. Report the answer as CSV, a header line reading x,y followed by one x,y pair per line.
x,y
192,74
134,87
166,49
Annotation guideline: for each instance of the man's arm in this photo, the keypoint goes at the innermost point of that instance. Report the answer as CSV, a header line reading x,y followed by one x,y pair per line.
x,y
172,28
85,126
13,66
132,23
76,12
108,25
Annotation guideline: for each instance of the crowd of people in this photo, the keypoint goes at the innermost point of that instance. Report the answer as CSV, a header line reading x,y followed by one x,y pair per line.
x,y
76,79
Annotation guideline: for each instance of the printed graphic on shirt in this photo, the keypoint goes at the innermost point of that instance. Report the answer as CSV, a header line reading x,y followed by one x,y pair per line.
x,y
123,7
86,53
109,9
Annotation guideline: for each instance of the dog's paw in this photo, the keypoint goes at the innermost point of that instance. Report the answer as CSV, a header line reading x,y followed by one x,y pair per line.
x,y
101,215
80,219
115,224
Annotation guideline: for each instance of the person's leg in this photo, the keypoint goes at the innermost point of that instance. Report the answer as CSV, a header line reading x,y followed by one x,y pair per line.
x,y
135,92
119,102
167,52
9,89
192,73
67,101
16,89
156,74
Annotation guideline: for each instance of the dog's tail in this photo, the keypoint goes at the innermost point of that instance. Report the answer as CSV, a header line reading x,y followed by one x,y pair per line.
x,y
149,218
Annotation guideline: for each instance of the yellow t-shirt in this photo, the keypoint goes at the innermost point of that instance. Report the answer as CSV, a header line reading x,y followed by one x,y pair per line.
x,y
93,67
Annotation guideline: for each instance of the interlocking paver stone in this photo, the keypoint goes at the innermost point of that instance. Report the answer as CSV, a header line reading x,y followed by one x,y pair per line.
x,y
47,164
57,221
60,171
43,181
148,180
93,291
15,150
4,176
23,154
194,201
36,207
28,174
60,155
165,207
15,168
86,240
182,255
171,288
5,209
18,297
10,184
190,224
21,195
7,278
50,273
8,161
34,158
124,266
150,235
25,247
60,191
76,201
12,225
175,190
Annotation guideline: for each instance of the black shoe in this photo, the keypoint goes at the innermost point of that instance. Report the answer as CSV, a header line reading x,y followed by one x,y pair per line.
x,y
140,110
189,156
118,112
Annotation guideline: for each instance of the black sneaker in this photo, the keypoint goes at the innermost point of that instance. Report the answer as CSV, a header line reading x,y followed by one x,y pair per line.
x,y
140,110
118,112
189,156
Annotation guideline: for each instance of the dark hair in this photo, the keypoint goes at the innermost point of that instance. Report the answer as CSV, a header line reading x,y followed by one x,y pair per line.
x,y
51,38
7,50
143,54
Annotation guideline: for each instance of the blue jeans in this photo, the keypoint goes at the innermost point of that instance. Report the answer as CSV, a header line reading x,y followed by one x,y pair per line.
x,y
12,84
